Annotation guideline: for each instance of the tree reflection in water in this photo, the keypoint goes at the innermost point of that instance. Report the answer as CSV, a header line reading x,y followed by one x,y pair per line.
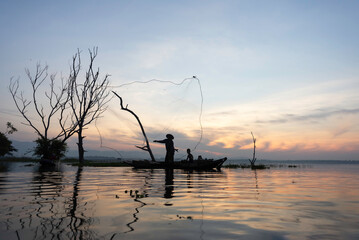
x,y
57,215
256,178
79,223
137,195
4,167
46,188
135,217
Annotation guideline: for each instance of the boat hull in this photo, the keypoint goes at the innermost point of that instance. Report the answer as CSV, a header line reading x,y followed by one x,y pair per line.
x,y
195,165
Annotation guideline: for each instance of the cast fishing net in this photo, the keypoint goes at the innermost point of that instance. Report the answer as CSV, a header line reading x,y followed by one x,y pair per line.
x,y
162,107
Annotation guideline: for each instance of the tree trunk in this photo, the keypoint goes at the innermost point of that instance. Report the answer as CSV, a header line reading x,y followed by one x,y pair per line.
x,y
80,146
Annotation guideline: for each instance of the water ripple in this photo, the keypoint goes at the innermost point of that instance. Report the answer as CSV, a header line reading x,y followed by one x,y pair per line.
x,y
122,203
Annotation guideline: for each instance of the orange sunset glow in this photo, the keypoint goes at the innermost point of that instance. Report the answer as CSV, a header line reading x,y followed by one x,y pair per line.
x,y
297,94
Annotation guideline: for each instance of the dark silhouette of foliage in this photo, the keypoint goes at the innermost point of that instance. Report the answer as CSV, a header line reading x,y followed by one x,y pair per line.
x,y
5,144
10,129
50,148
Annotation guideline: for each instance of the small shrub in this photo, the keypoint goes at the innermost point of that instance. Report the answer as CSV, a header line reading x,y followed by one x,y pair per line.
x,y
50,148
5,145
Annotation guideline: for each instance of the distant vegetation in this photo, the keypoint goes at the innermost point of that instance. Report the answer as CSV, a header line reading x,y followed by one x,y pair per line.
x,y
260,166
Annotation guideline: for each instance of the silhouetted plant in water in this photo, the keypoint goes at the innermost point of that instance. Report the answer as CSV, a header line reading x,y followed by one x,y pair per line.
x,y
254,152
260,166
136,194
237,166
5,144
184,217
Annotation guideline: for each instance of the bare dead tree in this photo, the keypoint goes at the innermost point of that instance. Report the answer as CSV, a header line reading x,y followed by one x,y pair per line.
x,y
88,99
254,152
57,101
147,147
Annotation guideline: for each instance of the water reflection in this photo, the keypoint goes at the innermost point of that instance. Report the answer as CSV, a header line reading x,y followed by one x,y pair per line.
x,y
256,179
168,183
79,223
47,188
137,196
47,182
189,179
36,213
4,167
122,203
49,211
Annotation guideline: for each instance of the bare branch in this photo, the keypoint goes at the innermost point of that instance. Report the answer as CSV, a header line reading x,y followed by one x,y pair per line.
x,y
21,103
147,147
57,102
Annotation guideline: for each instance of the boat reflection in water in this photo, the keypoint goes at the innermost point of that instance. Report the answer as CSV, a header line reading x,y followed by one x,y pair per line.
x,y
124,203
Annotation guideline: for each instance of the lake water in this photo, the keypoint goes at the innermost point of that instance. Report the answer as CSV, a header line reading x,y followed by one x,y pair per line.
x,y
318,201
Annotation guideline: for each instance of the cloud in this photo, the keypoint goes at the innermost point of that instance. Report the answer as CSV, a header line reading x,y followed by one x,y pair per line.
x,y
342,130
315,115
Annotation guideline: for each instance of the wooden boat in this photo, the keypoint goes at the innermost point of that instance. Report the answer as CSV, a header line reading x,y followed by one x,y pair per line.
x,y
195,165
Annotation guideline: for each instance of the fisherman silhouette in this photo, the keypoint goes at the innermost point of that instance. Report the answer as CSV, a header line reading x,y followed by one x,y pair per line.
x,y
170,150
189,156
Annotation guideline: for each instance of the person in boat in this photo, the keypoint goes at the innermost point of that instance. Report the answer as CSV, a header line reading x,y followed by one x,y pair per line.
x,y
200,158
189,156
170,149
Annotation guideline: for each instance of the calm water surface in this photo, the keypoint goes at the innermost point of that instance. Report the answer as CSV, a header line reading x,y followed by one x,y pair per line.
x,y
308,202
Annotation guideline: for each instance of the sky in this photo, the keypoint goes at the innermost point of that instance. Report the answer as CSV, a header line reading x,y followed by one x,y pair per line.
x,y
285,70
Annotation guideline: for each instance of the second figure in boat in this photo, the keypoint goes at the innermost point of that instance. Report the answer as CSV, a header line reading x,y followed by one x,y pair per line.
x,y
189,156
